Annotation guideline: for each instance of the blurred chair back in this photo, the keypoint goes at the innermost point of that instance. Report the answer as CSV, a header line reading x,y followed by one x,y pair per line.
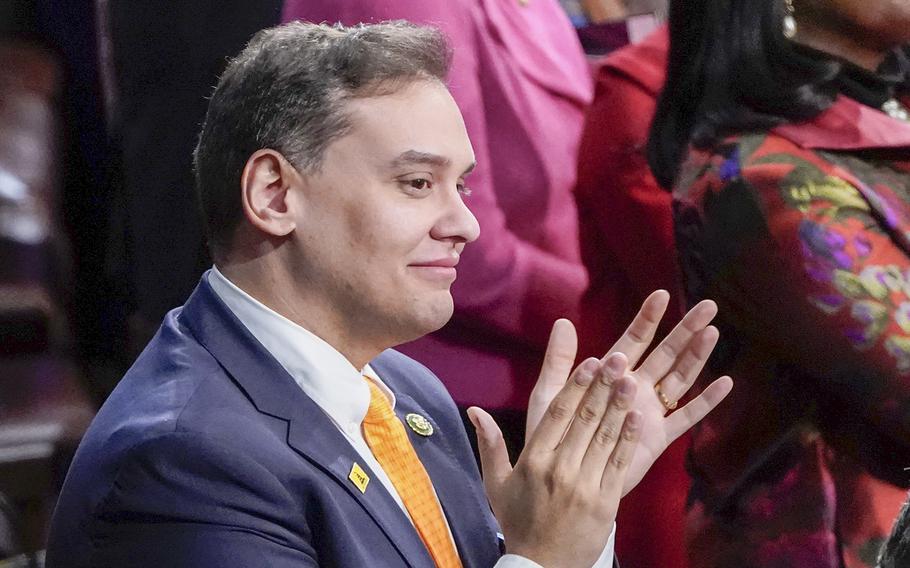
x,y
43,411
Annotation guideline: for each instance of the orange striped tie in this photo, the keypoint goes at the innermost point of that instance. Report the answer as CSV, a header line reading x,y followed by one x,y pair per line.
x,y
386,436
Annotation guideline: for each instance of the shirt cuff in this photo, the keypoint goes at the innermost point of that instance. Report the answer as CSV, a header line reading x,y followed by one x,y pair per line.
x,y
605,560
606,557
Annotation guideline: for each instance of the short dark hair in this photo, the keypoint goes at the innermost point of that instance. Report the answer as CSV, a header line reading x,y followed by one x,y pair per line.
x,y
287,90
730,69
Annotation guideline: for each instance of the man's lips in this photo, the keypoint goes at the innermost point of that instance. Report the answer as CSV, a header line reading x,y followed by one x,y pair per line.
x,y
447,262
441,269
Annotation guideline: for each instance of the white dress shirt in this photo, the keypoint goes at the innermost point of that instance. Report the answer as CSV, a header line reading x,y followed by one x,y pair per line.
x,y
333,383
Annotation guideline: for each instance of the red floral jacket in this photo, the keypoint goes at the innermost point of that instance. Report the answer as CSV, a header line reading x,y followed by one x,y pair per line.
x,y
802,236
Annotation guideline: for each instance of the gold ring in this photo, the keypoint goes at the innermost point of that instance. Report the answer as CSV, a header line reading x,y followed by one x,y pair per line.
x,y
668,404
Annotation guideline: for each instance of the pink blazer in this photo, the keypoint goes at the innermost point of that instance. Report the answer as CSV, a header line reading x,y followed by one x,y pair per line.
x,y
522,83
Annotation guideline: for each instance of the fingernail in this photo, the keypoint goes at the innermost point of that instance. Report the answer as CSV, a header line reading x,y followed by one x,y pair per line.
x,y
616,364
633,420
473,418
586,371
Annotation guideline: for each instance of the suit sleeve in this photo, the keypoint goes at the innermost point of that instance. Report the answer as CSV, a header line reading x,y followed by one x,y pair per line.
x,y
807,270
507,285
183,500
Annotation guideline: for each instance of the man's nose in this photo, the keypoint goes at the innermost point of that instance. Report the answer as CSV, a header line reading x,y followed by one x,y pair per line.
x,y
457,222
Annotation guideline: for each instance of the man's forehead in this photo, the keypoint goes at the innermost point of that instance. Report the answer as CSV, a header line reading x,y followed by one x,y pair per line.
x,y
403,95
418,124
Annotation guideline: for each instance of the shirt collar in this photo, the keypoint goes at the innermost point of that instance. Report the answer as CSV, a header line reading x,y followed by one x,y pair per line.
x,y
323,373
848,125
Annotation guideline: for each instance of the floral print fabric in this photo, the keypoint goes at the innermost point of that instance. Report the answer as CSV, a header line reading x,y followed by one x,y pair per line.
x,y
808,256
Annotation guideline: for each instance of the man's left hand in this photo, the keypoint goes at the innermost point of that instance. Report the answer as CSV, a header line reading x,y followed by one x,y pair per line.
x,y
663,378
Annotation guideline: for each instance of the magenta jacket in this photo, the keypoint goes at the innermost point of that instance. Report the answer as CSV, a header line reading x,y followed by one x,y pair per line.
x,y
522,83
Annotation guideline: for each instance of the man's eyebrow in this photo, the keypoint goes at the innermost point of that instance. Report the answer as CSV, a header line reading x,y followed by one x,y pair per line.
x,y
411,157
417,157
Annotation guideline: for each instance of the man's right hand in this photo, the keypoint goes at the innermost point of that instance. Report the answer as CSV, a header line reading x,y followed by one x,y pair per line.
x,y
556,506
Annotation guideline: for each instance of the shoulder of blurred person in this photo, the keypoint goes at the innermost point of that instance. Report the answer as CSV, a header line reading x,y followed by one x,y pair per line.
x,y
625,220
644,63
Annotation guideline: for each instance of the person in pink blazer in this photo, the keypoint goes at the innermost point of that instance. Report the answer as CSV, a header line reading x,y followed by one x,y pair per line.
x,y
522,83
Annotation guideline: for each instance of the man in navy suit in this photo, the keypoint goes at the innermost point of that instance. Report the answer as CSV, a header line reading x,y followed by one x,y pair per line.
x,y
331,170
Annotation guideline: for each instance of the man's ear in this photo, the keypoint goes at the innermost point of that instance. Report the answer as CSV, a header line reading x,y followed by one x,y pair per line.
x,y
265,184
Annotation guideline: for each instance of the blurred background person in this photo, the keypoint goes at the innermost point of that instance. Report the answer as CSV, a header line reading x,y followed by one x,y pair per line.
x,y
783,131
626,229
626,223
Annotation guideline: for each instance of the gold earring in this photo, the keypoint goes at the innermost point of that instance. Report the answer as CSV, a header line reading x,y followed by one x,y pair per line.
x,y
789,21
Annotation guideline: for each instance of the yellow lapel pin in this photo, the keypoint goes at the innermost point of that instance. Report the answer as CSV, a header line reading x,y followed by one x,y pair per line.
x,y
359,478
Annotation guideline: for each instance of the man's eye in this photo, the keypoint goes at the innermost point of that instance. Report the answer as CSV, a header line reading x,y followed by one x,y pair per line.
x,y
420,183
463,189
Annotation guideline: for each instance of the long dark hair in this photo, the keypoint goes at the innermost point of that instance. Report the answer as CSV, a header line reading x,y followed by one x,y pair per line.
x,y
730,69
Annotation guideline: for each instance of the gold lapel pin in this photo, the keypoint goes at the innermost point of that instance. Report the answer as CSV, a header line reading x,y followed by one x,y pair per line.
x,y
419,424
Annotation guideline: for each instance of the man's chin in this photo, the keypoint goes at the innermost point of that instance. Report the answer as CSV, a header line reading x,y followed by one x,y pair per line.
x,y
432,316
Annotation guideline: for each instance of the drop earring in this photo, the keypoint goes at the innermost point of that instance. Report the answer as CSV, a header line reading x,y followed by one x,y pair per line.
x,y
789,21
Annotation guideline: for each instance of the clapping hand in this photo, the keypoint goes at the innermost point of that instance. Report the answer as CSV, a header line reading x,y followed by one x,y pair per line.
x,y
564,490
594,432
664,377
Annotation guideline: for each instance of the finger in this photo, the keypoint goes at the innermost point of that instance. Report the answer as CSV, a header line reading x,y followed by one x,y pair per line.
x,y
559,413
617,467
600,397
689,415
666,354
678,382
560,354
494,456
640,333
557,365
609,430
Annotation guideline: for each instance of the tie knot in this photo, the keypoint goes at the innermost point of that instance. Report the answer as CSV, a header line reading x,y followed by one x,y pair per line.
x,y
380,409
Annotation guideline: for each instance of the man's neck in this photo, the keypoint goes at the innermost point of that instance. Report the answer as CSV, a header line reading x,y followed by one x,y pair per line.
x,y
274,288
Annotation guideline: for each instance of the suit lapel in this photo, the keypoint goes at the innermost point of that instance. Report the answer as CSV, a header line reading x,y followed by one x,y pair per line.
x,y
310,431
328,448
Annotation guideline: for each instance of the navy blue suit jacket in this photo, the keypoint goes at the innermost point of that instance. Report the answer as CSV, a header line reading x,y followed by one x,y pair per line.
x,y
209,454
